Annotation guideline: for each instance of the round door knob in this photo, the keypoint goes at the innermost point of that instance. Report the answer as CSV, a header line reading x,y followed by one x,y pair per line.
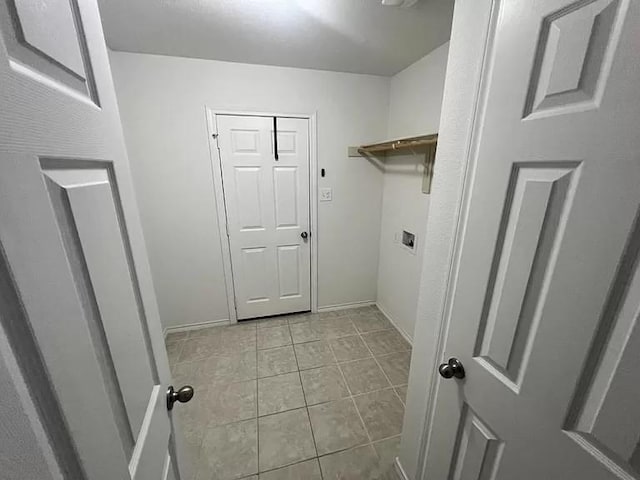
x,y
453,368
183,395
304,235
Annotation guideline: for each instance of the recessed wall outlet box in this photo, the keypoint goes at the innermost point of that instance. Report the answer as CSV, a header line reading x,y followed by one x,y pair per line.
x,y
399,3
409,240
326,194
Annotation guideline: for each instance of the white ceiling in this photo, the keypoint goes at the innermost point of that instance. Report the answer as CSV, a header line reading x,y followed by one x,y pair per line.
x,y
359,36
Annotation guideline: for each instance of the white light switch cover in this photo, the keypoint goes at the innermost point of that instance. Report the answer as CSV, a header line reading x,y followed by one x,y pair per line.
x,y
326,194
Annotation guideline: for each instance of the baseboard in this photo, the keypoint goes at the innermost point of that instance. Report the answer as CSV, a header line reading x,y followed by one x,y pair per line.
x,y
196,326
401,474
225,321
395,324
345,306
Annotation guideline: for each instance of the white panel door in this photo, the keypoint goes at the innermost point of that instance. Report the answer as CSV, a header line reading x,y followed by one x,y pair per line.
x,y
545,299
267,204
76,299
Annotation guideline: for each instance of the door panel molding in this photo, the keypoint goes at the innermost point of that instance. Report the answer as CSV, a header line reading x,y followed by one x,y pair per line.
x,y
21,346
66,66
99,251
536,208
562,81
477,449
603,417
247,146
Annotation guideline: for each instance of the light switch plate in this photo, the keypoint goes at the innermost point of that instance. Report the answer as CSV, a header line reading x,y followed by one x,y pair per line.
x,y
326,194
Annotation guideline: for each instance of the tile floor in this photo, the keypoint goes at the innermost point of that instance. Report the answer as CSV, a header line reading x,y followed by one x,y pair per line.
x,y
307,396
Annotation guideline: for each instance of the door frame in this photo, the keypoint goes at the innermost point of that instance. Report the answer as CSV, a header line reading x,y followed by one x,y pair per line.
x,y
216,164
468,66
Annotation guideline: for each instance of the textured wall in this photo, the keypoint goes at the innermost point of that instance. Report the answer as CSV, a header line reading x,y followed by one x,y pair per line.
x,y
162,103
414,109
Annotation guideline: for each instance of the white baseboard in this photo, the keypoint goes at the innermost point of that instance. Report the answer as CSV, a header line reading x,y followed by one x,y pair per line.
x,y
395,324
196,326
402,475
344,306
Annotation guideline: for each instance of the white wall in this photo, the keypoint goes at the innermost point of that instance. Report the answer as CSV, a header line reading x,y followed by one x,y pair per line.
x,y
416,96
162,104
414,109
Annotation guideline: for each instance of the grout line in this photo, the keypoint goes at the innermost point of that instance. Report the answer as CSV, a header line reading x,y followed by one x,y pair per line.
x,y
277,374
258,330
277,413
306,405
316,458
257,410
387,377
272,348
182,343
404,402
351,396
385,374
344,379
372,444
364,425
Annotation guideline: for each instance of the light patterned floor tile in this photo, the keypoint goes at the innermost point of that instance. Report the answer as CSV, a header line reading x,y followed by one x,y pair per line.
x,y
279,393
382,413
307,470
314,354
285,438
323,384
364,376
276,361
336,426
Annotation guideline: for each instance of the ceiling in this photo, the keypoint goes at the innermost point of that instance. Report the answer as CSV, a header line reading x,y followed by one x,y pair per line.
x,y
358,36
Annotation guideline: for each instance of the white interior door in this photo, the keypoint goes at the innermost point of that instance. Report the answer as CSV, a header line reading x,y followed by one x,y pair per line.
x,y
76,299
545,298
267,203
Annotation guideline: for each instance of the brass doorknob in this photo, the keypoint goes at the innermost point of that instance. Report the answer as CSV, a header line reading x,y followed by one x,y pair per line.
x,y
183,395
453,368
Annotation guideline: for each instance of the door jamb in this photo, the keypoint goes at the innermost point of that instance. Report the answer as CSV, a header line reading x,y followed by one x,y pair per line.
x,y
214,153
459,145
